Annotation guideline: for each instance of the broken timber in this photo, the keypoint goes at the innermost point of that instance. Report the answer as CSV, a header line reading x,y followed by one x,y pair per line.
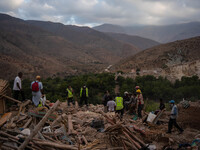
x,y
39,126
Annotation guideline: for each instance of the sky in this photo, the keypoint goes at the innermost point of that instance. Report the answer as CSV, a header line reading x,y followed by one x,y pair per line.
x,y
95,12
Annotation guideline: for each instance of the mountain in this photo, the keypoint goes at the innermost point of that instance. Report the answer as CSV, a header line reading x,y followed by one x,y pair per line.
x,y
53,49
162,34
141,43
172,60
94,42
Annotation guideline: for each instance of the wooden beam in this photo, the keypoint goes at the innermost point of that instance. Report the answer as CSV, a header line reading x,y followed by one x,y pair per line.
x,y
56,145
39,125
27,123
10,98
70,125
158,116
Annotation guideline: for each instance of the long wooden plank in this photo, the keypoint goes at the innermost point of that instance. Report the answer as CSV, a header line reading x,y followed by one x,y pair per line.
x,y
10,98
70,125
158,116
56,145
39,125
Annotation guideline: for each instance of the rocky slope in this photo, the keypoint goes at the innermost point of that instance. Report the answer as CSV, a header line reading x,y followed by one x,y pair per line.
x,y
172,60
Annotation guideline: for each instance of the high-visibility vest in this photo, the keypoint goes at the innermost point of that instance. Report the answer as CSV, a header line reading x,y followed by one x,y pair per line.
x,y
70,94
119,103
82,92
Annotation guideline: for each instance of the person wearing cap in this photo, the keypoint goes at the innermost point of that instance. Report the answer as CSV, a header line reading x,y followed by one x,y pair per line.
x,y
37,90
140,103
173,116
84,95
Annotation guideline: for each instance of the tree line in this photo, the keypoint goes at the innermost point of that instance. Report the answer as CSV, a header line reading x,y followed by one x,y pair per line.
x,y
152,88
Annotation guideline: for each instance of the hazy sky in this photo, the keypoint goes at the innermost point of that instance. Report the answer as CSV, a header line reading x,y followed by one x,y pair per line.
x,y
96,12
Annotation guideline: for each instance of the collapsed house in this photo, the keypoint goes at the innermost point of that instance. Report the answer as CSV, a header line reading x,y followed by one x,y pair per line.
x,y
88,128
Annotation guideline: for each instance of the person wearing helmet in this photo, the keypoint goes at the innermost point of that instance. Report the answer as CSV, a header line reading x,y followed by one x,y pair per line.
x,y
140,103
137,88
173,116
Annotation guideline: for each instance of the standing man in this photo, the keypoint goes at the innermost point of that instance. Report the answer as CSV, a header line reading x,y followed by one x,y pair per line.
x,y
173,116
111,105
17,87
126,100
70,96
119,105
84,95
37,90
140,103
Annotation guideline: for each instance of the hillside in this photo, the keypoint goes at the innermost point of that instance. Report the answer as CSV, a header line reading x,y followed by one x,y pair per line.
x,y
173,60
162,34
35,50
92,41
142,43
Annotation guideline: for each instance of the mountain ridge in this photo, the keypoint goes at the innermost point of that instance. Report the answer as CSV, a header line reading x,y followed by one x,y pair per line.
x,y
162,34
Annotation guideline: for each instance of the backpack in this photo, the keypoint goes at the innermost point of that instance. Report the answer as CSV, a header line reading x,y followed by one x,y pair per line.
x,y
35,87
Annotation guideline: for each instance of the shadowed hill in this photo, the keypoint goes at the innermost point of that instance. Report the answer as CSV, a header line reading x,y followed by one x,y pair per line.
x,y
62,51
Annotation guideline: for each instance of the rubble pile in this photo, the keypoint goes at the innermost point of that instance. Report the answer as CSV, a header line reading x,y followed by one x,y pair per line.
x,y
65,127
87,128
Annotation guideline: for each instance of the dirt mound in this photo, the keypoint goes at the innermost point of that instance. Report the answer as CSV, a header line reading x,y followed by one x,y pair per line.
x,y
189,117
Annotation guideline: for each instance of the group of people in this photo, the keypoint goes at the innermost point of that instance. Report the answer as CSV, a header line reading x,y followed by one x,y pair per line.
x,y
38,94
135,103
83,95
129,102
132,102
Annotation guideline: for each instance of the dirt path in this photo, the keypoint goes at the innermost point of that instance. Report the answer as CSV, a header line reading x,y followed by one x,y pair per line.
x,y
117,87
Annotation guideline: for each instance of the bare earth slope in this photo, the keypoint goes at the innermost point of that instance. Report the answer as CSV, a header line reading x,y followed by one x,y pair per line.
x,y
142,43
174,60
92,41
35,50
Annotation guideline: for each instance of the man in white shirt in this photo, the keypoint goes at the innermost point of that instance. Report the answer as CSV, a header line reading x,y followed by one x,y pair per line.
x,y
17,87
111,105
